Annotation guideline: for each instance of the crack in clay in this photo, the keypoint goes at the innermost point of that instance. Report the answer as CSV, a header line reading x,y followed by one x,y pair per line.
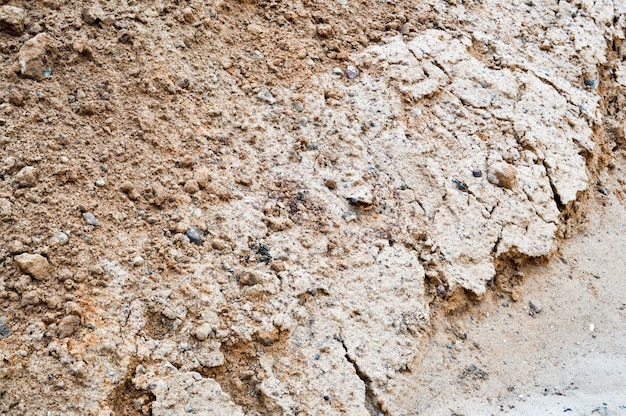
x,y
555,194
371,401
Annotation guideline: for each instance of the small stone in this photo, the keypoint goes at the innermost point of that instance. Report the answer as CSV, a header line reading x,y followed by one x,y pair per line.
x,y
67,326
188,15
16,247
36,56
298,106
592,328
535,306
12,20
195,235
6,208
191,186
441,290
268,337
16,97
203,331
61,238
100,182
266,96
138,261
202,175
248,278
31,297
35,265
352,72
477,173
361,196
325,31
218,244
5,331
592,83
502,174
27,177
337,71
93,15
90,218
330,184
187,162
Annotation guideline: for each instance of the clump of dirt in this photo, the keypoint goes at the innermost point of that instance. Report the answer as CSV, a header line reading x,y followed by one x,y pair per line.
x,y
255,206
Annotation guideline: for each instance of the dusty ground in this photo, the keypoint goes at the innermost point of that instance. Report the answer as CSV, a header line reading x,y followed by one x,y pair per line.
x,y
498,357
311,207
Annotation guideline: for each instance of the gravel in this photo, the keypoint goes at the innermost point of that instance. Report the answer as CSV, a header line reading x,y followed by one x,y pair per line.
x,y
352,72
61,238
5,331
90,218
535,306
195,235
35,265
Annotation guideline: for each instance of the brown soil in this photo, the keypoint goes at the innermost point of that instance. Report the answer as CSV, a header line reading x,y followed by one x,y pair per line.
x,y
200,211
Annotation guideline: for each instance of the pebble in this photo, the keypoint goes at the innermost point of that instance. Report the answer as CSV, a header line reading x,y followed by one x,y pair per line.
x,y
100,182
93,15
361,196
248,278
5,331
32,297
352,72
337,71
298,106
195,235
477,173
203,331
592,83
6,208
67,326
266,96
535,306
330,184
90,218
592,327
16,247
138,261
191,186
27,177
12,20
502,174
35,265
325,31
441,290
61,238
35,54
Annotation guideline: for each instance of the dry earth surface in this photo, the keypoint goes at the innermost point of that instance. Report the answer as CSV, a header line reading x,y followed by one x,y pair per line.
x,y
314,207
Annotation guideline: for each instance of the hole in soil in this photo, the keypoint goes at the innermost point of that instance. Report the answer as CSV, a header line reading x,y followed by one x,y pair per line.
x,y
126,400
240,376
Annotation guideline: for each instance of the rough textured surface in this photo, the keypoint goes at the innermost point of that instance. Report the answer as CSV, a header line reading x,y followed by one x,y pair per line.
x,y
225,216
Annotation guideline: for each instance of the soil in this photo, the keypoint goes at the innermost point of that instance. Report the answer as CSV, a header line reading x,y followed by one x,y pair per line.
x,y
312,207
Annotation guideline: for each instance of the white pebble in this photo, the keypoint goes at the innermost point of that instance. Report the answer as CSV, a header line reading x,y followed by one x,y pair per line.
x,y
90,218
337,71
138,261
61,238
100,182
592,327
352,72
